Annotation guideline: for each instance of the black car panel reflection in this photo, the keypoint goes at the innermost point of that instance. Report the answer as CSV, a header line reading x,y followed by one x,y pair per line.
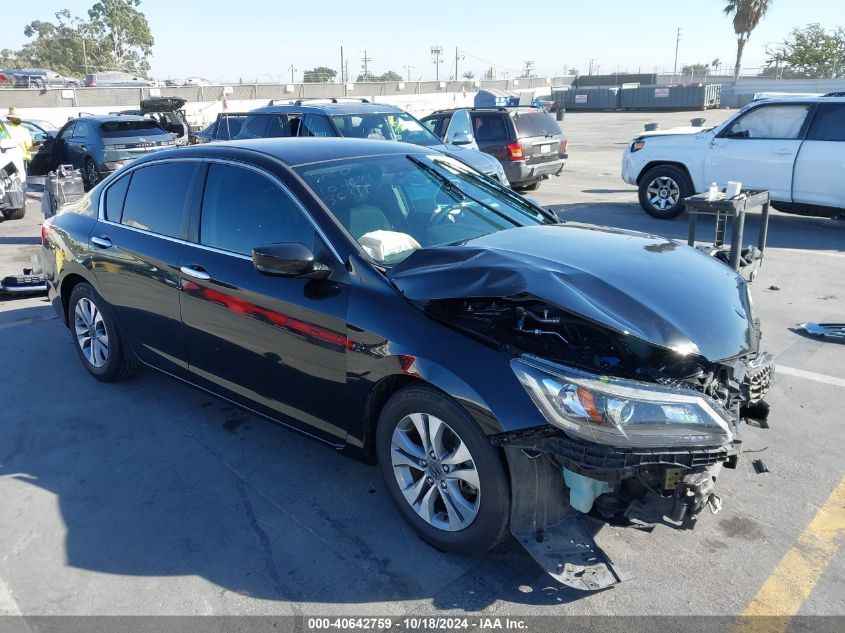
x,y
506,370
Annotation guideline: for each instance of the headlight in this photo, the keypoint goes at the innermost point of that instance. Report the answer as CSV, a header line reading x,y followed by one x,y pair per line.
x,y
620,412
637,145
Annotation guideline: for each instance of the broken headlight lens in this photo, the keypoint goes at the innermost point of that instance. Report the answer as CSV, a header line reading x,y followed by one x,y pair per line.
x,y
620,412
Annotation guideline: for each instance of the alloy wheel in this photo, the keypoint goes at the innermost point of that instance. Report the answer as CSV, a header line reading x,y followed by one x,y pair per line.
x,y
91,333
435,472
663,193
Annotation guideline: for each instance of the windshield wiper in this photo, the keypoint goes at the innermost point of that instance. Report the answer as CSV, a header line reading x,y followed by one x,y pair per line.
x,y
452,187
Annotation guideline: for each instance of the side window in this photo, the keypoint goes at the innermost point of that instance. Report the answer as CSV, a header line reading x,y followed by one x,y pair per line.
x,y
156,198
67,132
253,127
228,127
277,126
115,195
80,130
489,127
242,209
315,125
829,123
771,122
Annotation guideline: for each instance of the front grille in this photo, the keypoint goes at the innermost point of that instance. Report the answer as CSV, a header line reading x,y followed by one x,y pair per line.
x,y
761,373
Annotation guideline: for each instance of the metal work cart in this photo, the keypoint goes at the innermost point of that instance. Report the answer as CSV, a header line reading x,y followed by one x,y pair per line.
x,y
744,260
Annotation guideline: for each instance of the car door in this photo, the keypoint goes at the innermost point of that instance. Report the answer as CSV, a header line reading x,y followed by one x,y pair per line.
x,y
275,344
76,146
46,153
820,166
459,131
135,250
759,149
492,133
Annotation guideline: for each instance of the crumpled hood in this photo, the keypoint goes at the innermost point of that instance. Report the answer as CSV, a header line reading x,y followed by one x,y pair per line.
x,y
655,289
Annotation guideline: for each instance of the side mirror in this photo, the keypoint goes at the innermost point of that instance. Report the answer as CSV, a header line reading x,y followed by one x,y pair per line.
x,y
462,138
288,259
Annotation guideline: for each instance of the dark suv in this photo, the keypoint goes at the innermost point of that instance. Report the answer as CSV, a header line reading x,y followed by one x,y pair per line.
x,y
527,141
352,118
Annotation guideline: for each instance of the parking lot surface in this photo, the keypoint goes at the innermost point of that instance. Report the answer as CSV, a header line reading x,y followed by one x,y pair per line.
x,y
148,497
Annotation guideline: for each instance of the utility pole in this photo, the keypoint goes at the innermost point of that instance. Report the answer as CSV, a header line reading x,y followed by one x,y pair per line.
x,y
529,66
677,43
292,70
365,65
342,77
457,57
592,61
436,51
408,69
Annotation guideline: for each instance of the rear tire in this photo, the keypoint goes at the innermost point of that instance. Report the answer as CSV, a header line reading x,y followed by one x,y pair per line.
x,y
96,338
452,487
14,214
662,191
534,186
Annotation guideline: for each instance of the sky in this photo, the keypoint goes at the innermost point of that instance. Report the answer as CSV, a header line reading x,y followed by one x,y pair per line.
x,y
259,40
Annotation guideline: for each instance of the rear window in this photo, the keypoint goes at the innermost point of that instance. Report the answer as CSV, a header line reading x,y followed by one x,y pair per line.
x,y
115,129
535,124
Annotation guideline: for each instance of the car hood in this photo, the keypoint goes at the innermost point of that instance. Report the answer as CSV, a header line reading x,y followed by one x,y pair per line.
x,y
480,161
675,131
652,288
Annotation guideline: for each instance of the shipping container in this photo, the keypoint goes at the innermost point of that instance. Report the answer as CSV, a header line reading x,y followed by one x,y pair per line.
x,y
702,97
591,98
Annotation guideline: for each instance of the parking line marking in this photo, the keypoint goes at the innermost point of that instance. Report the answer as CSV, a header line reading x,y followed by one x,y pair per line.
x,y
810,375
8,604
799,570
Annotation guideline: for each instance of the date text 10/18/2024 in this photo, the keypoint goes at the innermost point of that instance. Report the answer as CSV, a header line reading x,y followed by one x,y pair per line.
x,y
420,623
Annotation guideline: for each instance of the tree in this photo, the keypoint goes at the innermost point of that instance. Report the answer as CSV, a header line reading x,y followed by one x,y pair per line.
x,y
319,75
116,36
573,72
468,75
696,69
811,52
389,76
122,33
746,14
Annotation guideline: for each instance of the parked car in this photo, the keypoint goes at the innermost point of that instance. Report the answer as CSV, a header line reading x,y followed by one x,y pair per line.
x,y
526,140
790,146
41,78
98,145
197,81
210,132
12,177
504,369
115,79
168,113
353,118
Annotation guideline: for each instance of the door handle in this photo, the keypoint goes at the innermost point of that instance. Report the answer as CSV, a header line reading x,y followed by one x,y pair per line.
x,y
782,152
197,272
101,242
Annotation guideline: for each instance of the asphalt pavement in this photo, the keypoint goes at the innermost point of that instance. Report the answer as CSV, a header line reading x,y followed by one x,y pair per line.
x,y
149,497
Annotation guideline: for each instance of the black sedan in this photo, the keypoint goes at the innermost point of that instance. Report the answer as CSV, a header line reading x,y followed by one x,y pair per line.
x,y
507,371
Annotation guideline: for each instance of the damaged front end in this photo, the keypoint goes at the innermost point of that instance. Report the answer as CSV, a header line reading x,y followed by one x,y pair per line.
x,y
641,354
637,433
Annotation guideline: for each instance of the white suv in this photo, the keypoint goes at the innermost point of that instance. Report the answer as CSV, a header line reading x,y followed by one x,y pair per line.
x,y
792,146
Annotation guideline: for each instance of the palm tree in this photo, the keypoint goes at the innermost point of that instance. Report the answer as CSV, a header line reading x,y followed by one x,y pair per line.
x,y
746,16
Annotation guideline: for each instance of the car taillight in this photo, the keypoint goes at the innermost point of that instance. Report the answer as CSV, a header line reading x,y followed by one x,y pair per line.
x,y
564,148
514,151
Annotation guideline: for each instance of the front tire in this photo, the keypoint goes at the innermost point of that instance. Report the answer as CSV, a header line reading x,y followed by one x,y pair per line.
x,y
95,335
446,479
662,191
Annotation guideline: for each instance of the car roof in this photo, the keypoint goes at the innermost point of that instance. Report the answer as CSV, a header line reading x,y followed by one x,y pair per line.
x,y
834,97
108,118
293,151
341,107
507,109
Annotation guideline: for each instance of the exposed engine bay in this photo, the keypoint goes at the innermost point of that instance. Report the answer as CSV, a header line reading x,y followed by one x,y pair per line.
x,y
637,486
